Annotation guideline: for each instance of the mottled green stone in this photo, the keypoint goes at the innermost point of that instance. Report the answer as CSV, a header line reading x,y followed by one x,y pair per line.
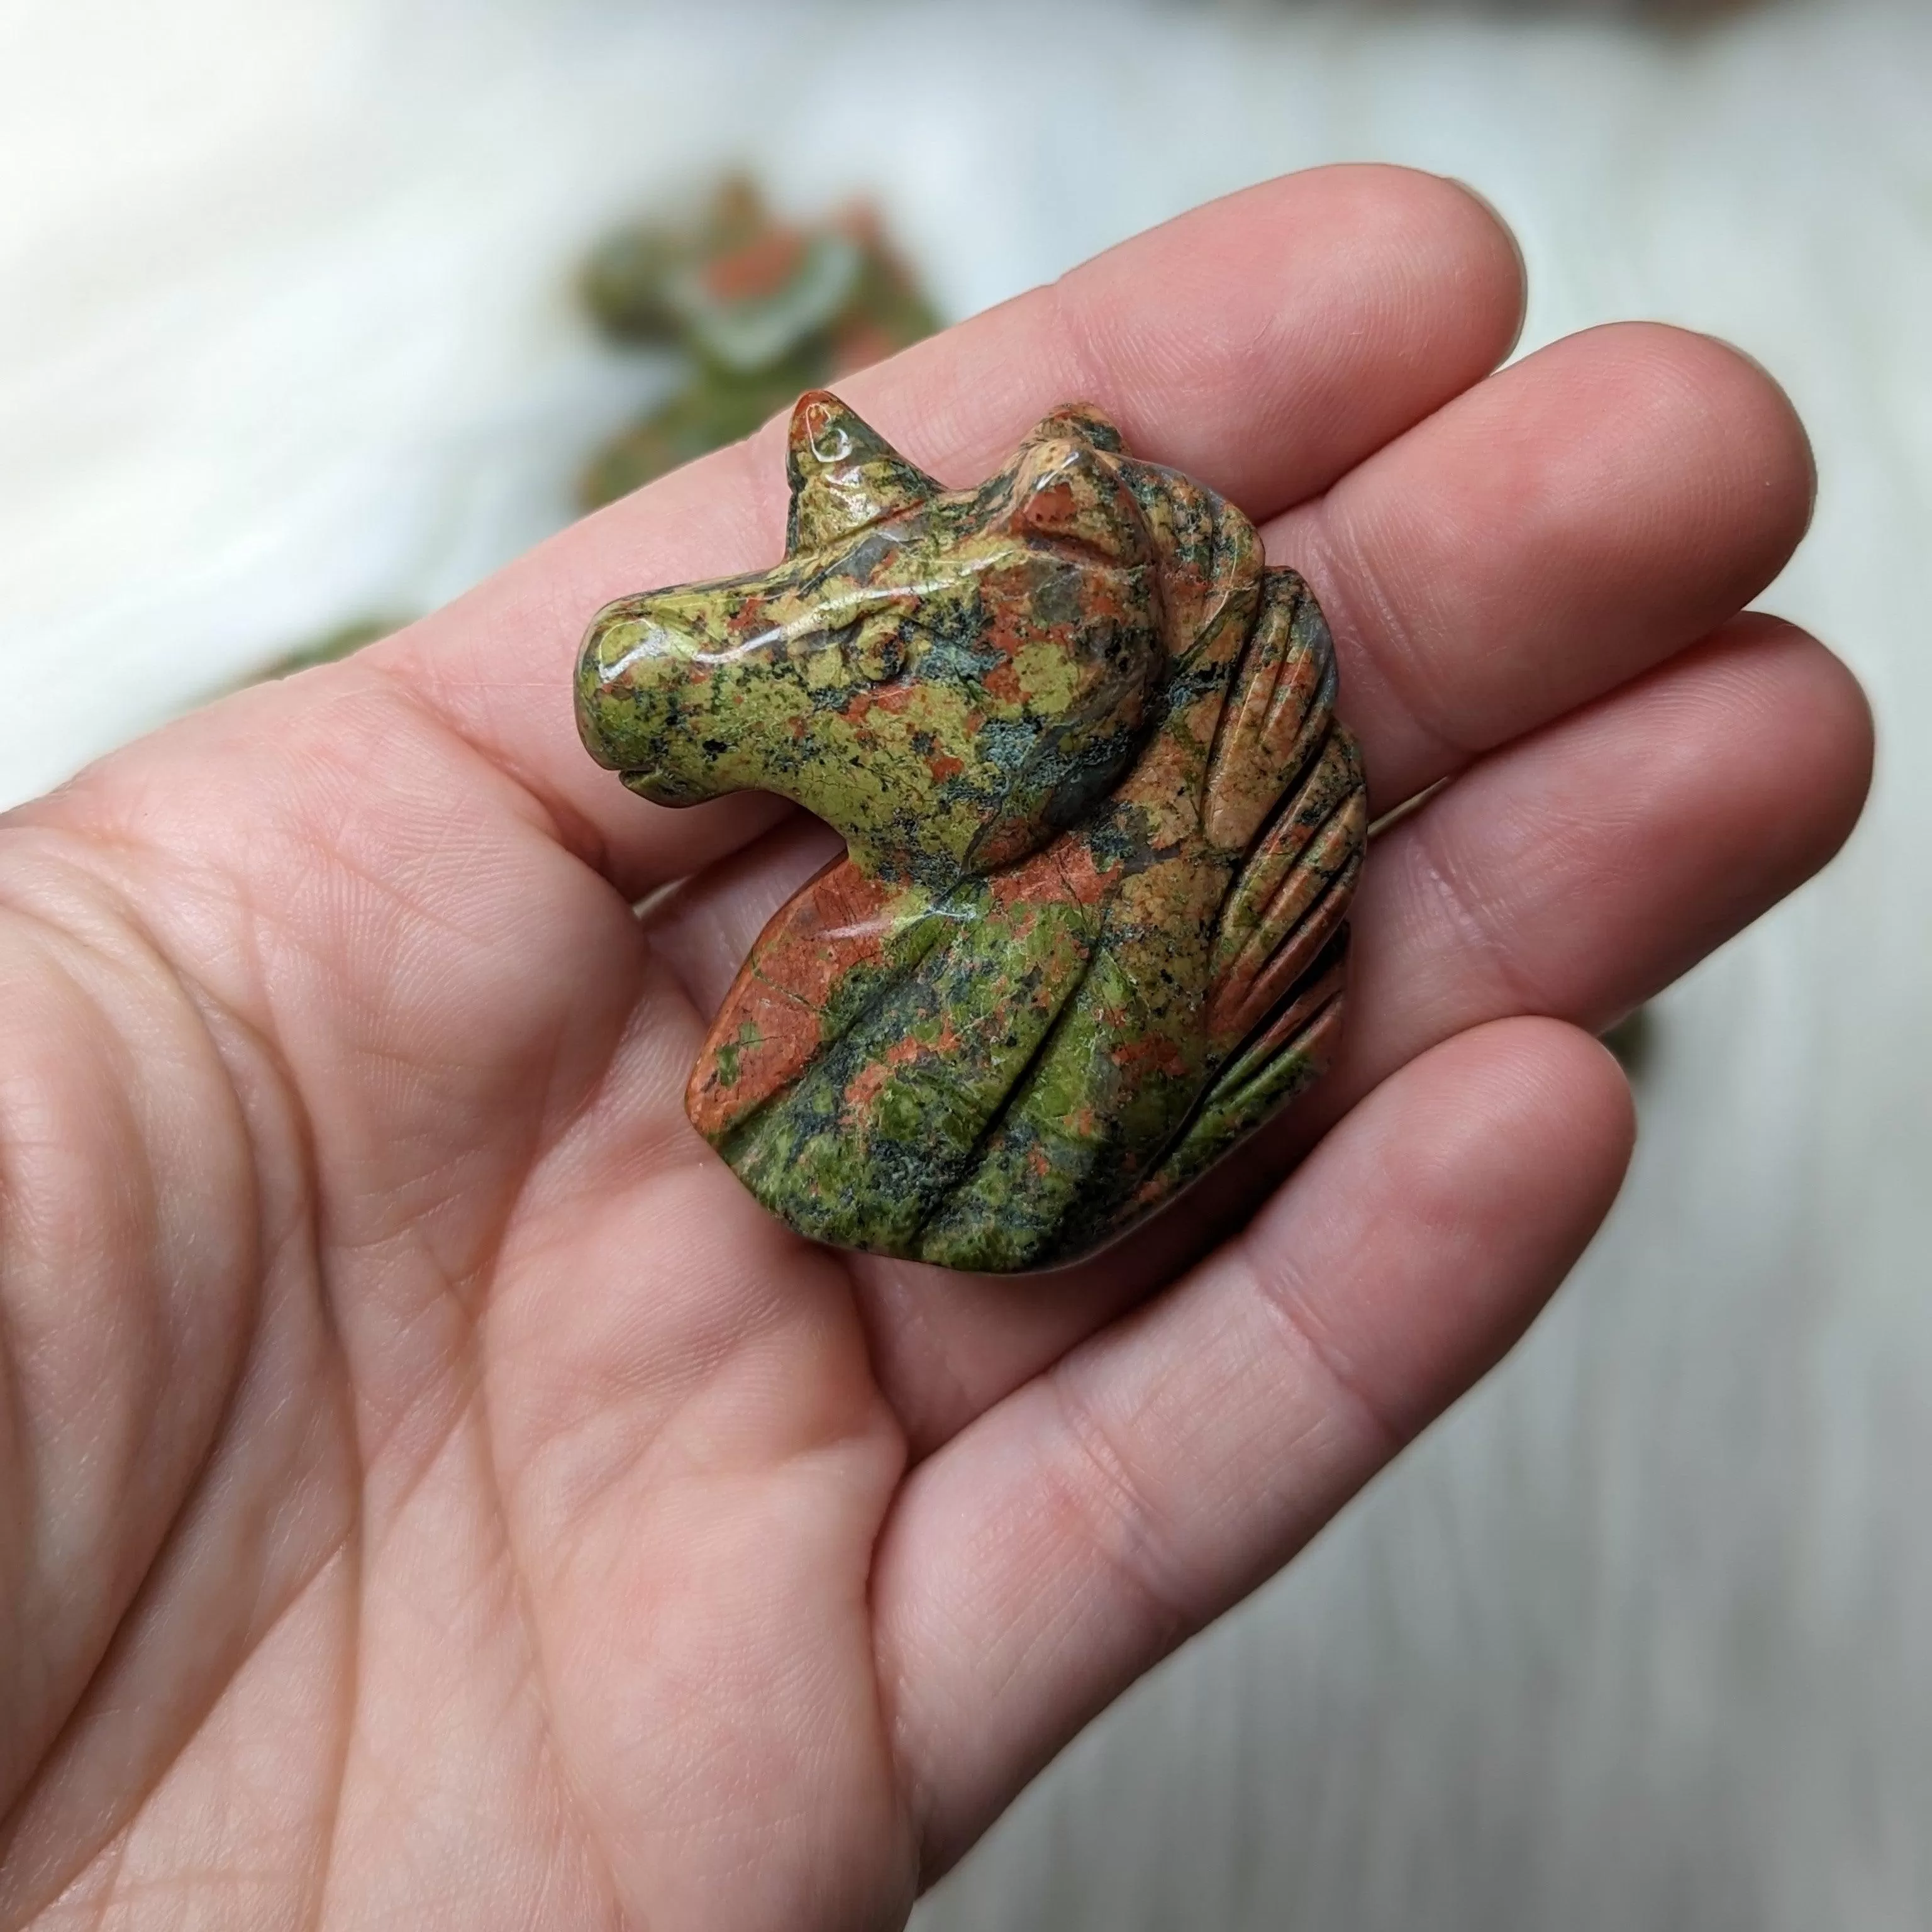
x,y
1101,827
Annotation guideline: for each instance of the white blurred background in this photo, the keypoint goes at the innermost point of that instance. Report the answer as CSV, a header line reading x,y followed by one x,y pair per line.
x,y
1642,1636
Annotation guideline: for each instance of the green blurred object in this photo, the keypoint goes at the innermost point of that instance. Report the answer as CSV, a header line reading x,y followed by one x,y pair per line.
x,y
338,643
1634,1040
764,310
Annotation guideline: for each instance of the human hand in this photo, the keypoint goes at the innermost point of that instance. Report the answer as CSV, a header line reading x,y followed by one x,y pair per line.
x,y
432,1491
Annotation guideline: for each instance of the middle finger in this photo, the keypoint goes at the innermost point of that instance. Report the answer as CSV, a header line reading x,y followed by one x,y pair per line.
x,y
1546,536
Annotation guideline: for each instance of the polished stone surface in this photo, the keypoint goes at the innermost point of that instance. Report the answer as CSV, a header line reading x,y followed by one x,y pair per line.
x,y
1102,828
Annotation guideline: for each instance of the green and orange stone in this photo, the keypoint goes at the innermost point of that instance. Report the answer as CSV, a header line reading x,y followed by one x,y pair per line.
x,y
1101,830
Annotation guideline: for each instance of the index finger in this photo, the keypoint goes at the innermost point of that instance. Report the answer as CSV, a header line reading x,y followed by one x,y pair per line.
x,y
1265,343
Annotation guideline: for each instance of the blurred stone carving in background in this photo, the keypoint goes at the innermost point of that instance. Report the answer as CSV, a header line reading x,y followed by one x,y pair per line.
x,y
762,309
757,309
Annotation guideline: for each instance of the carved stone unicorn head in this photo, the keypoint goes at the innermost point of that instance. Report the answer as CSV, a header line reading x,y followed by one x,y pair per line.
x,y
1102,831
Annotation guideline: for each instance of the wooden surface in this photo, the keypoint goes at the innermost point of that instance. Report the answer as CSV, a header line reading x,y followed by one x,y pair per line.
x,y
1643,1636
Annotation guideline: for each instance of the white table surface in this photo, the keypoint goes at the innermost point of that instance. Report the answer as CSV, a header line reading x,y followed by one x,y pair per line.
x,y
1643,1636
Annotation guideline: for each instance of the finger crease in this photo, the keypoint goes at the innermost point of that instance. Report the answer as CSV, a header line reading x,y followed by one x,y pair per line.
x,y
1123,1527
1474,926
1367,621
1279,1288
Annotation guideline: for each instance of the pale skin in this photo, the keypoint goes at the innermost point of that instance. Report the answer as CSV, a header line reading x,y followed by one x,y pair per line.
x,y
433,1494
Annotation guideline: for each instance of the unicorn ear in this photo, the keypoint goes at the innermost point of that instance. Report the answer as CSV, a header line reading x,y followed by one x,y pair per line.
x,y
844,474
1078,422
1068,493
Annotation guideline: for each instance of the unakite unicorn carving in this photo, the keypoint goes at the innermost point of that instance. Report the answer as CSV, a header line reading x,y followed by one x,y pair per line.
x,y
1101,827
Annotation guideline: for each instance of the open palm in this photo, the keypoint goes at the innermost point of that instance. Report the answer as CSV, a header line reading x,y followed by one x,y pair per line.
x,y
433,1493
